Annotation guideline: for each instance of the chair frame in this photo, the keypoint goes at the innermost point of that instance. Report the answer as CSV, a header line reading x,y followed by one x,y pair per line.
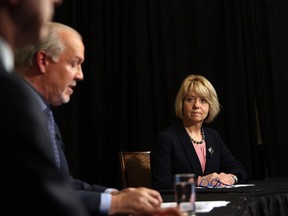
x,y
124,171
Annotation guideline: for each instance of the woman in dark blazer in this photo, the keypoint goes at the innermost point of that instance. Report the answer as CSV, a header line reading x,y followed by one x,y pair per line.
x,y
188,146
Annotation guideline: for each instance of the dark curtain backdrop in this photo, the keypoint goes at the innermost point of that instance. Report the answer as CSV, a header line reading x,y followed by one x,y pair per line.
x,y
138,53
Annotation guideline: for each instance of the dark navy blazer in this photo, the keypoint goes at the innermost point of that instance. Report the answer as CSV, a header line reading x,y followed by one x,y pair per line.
x,y
174,153
89,194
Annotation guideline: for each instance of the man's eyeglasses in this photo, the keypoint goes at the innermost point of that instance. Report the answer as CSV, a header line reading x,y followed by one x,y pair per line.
x,y
215,183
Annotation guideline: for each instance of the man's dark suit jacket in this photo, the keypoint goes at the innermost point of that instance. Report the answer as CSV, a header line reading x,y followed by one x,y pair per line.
x,y
31,183
89,194
174,153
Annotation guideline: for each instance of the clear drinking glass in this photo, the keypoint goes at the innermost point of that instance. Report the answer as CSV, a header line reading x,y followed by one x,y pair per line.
x,y
185,194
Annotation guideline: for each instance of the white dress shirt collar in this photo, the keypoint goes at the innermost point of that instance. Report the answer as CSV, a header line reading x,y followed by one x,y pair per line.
x,y
6,55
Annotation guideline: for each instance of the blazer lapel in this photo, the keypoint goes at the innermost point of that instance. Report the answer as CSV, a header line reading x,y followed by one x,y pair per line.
x,y
188,148
210,148
2,69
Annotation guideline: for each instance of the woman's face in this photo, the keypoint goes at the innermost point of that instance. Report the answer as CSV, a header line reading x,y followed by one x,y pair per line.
x,y
195,108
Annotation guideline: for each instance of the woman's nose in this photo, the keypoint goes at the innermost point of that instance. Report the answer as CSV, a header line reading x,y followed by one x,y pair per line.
x,y
196,103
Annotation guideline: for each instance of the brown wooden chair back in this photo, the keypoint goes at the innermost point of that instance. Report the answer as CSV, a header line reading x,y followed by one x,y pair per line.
x,y
135,169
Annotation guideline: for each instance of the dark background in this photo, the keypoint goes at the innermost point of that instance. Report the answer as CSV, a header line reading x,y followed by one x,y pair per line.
x,y
137,54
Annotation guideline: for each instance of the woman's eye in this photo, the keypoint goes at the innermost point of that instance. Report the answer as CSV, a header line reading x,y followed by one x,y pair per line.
x,y
190,99
203,100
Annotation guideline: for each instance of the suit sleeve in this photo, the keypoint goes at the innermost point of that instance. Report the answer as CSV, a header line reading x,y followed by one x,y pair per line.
x,y
84,186
228,162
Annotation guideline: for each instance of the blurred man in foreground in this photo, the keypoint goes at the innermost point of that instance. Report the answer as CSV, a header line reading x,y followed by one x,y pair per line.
x,y
31,183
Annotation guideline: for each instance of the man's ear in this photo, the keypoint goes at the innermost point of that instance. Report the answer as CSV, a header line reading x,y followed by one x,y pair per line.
x,y
42,60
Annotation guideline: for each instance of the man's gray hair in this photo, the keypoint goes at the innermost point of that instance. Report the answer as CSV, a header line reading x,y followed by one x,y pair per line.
x,y
51,42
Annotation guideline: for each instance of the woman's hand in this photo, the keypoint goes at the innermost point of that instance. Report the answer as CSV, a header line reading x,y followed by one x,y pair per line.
x,y
226,179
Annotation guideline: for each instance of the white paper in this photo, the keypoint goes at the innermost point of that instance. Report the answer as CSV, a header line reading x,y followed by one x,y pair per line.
x,y
244,185
201,206
232,186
